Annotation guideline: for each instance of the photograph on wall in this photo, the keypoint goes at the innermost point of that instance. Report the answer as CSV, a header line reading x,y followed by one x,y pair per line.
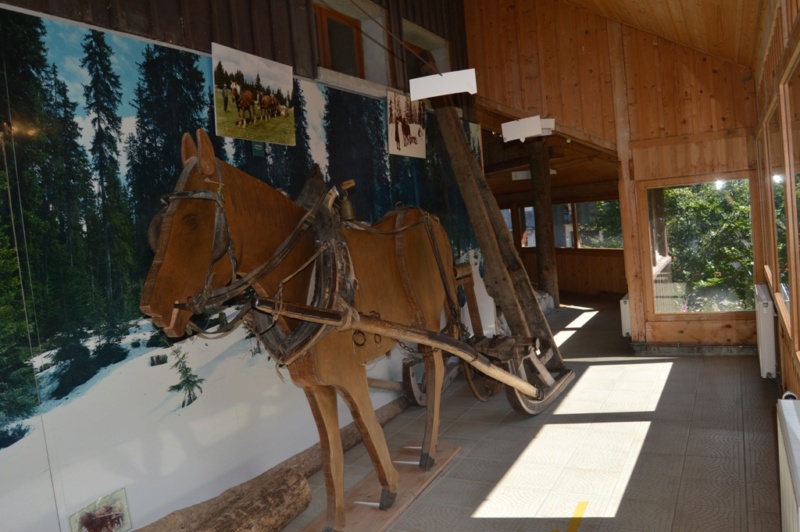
x,y
107,514
252,97
406,126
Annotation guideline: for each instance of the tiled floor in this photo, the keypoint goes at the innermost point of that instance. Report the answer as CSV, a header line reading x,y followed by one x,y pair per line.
x,y
634,444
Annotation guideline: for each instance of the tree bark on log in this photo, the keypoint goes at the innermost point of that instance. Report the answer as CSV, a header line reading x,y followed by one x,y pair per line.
x,y
506,280
268,502
546,271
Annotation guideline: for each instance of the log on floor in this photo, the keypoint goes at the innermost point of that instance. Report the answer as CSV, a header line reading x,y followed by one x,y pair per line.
x,y
268,502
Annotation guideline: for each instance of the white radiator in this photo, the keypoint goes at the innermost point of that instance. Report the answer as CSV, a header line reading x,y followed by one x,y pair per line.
x,y
788,461
625,312
765,327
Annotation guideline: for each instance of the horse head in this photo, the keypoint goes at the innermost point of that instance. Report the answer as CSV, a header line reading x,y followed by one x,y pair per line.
x,y
189,237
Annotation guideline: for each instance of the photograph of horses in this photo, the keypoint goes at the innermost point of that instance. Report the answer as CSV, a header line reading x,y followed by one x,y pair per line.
x,y
406,126
252,97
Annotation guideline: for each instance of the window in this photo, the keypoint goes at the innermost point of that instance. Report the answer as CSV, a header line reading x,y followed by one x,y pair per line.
x,y
339,39
528,239
778,175
599,224
701,247
416,40
563,229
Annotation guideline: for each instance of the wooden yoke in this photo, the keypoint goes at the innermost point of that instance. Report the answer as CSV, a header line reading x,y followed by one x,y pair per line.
x,y
507,282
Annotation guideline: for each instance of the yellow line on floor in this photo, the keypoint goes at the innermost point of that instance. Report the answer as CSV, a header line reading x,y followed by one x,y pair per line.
x,y
575,522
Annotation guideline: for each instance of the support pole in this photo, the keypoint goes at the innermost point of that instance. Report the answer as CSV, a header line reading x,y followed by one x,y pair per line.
x,y
546,271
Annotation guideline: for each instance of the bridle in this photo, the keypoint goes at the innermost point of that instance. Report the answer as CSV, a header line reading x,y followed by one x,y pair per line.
x,y
222,242
333,284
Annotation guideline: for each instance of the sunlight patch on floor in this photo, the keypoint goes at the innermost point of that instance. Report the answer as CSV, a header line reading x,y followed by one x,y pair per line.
x,y
588,450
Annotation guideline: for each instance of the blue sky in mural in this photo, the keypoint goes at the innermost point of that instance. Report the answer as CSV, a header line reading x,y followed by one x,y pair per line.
x,y
64,49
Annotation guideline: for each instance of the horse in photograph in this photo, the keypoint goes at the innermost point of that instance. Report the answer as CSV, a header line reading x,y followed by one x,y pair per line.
x,y
268,106
221,223
244,106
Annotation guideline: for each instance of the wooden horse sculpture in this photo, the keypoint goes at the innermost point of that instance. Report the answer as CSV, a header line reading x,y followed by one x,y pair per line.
x,y
220,223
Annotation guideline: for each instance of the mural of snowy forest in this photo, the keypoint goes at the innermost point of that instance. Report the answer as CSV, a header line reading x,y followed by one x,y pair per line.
x,y
92,399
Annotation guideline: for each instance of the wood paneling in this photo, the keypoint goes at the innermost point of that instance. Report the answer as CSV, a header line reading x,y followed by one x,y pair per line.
x,y
688,155
589,272
725,28
699,331
546,58
673,90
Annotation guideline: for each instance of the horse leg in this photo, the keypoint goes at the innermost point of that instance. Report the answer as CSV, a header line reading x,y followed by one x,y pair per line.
x,y
356,395
434,375
322,400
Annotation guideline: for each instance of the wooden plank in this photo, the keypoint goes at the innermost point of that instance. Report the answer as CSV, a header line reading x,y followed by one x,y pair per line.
x,y
303,39
703,93
241,25
694,330
627,190
626,53
361,502
744,97
566,20
197,30
262,37
722,81
221,23
671,110
549,61
512,89
646,54
606,90
281,31
589,75
528,31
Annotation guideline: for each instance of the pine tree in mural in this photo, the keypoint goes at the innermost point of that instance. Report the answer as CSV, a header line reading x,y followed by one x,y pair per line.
x,y
24,70
103,96
69,203
18,398
189,383
357,150
170,99
302,161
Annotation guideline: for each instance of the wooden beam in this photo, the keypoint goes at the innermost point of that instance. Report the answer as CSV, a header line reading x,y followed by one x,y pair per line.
x,y
631,237
546,271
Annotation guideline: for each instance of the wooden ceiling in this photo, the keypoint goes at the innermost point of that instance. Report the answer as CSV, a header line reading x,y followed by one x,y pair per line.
x,y
728,29
724,28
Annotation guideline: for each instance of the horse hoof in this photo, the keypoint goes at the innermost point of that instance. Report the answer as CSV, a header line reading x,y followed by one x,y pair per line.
x,y
426,462
387,499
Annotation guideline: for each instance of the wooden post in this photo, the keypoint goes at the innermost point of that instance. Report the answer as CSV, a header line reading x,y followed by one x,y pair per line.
x,y
546,270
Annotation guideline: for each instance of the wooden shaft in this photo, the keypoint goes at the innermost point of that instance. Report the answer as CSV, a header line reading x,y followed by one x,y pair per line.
x,y
369,324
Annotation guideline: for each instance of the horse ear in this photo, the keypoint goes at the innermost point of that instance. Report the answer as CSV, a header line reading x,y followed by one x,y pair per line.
x,y
188,148
205,153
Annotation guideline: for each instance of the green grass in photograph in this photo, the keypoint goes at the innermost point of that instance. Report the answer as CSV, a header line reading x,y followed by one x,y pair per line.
x,y
278,130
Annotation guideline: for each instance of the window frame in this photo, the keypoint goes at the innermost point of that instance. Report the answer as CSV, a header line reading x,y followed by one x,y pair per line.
x,y
321,16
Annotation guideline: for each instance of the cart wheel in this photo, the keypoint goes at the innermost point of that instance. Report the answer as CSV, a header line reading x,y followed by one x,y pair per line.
x,y
414,381
520,402
482,386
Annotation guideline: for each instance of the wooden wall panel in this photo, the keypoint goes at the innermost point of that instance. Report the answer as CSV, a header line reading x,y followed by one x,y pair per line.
x,y
675,91
544,57
698,332
528,55
589,272
728,151
511,81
